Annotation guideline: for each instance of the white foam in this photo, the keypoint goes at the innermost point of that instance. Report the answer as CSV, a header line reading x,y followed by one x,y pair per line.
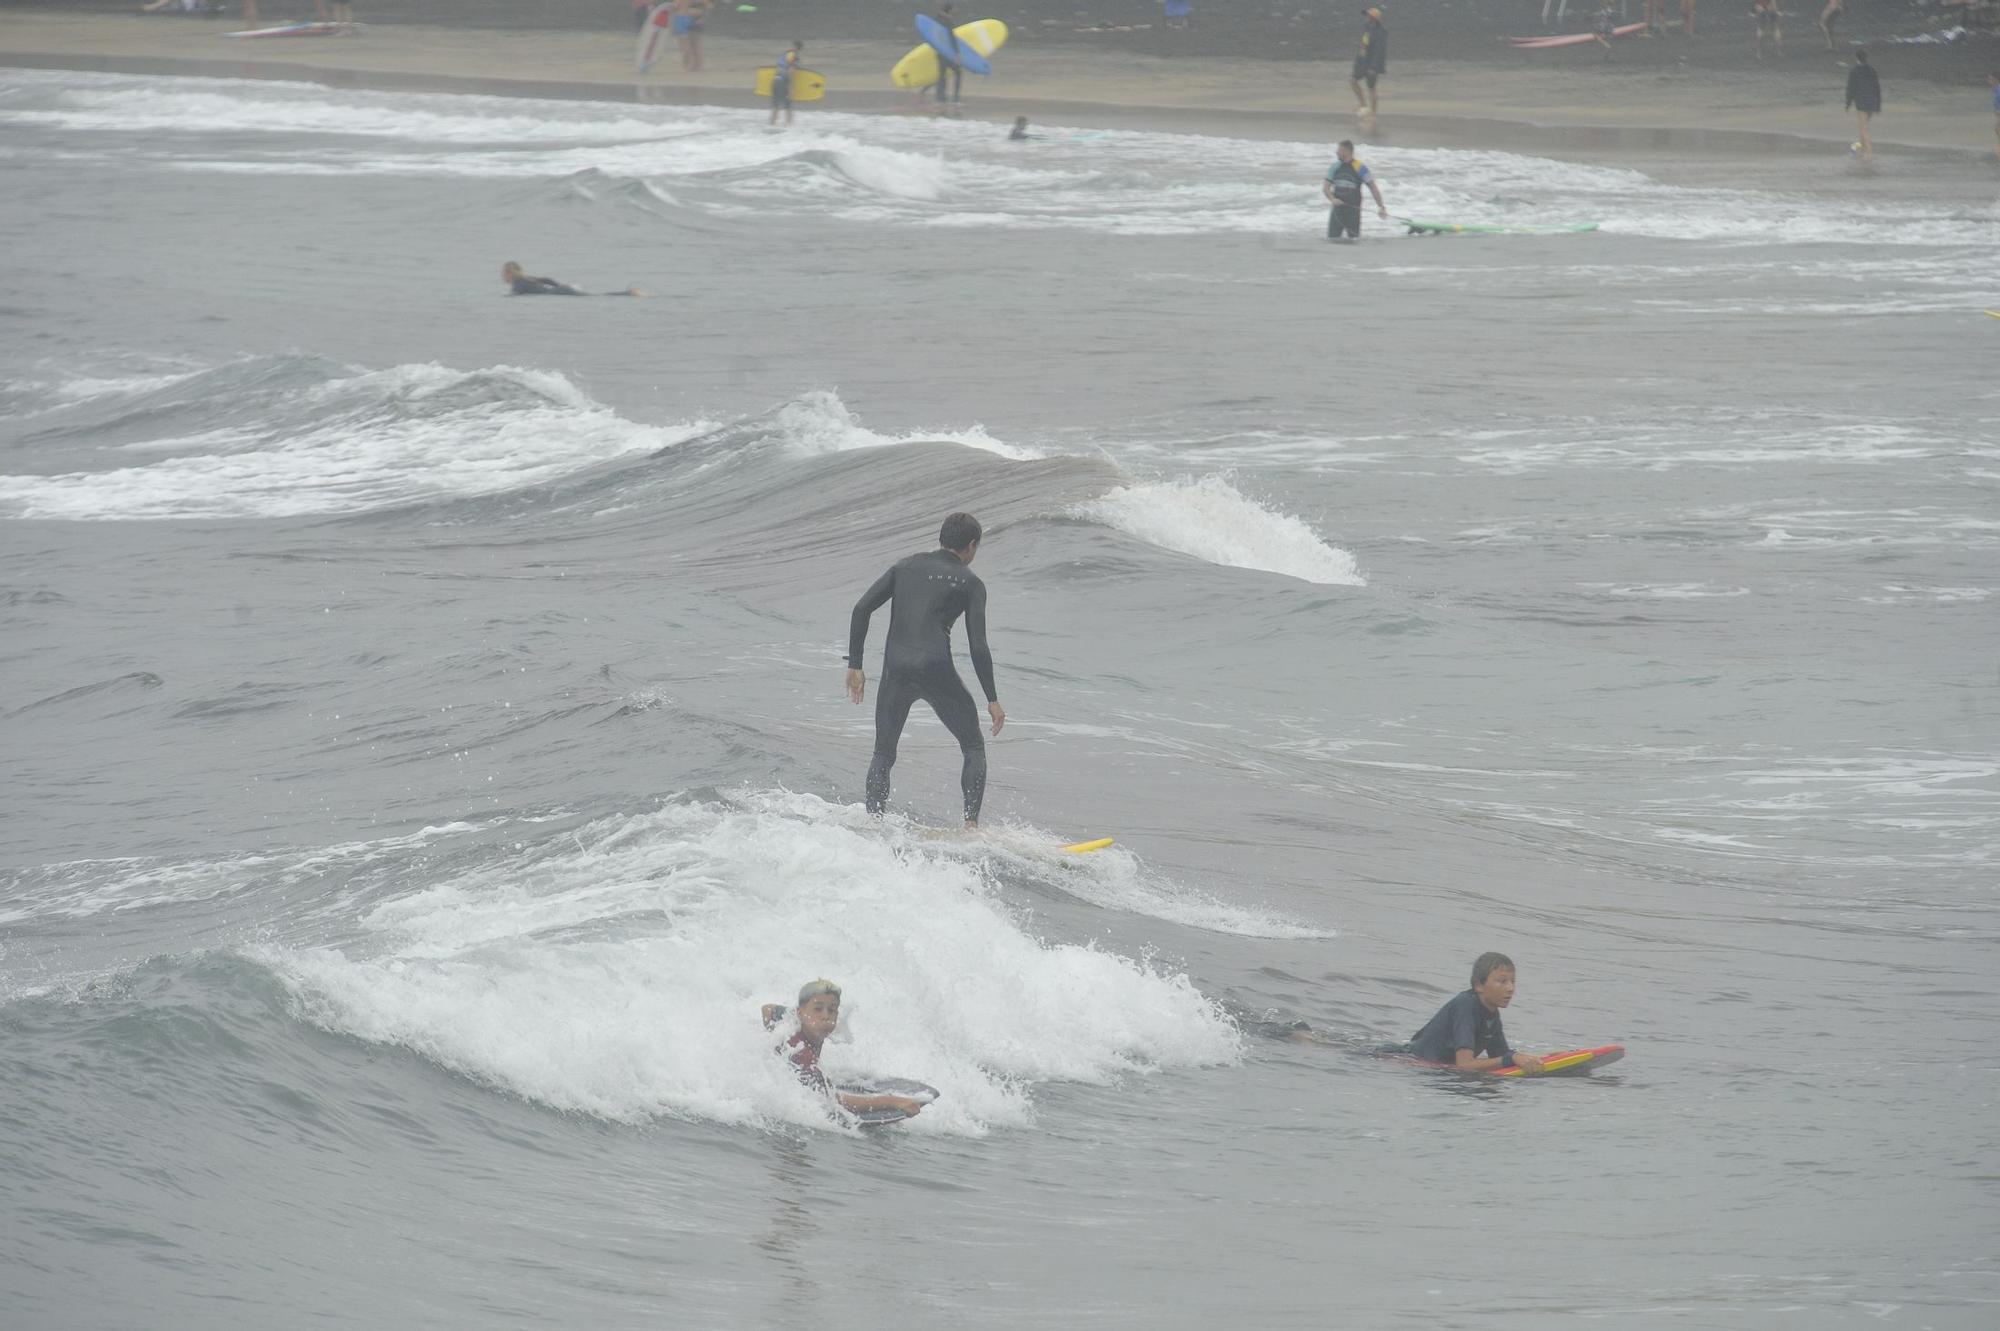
x,y
618,970
1212,520
379,438
818,422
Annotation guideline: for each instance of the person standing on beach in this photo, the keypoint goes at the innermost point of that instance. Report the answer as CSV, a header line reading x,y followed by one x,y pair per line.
x,y
927,593
1768,25
781,81
1830,16
948,66
1864,97
1342,188
1687,18
1994,79
1371,63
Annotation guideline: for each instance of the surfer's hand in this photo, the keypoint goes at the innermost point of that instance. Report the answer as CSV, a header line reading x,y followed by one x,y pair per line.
x,y
1528,1064
999,715
773,1013
857,684
1384,210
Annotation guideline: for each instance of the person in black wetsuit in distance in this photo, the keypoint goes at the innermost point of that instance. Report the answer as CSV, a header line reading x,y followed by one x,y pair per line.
x,y
523,285
928,592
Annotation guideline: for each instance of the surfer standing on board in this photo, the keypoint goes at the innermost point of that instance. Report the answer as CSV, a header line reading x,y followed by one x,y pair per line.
x,y
1342,189
819,1016
1371,63
1466,1034
929,592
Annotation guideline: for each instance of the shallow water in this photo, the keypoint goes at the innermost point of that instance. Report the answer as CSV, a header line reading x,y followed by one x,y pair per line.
x,y
426,747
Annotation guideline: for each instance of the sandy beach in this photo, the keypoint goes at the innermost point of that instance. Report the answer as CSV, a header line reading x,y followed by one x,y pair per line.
x,y
1545,101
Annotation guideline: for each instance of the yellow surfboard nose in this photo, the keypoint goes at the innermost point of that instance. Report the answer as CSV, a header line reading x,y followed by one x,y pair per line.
x,y
1085,847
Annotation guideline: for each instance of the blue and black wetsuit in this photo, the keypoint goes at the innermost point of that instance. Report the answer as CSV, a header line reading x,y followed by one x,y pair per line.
x,y
927,594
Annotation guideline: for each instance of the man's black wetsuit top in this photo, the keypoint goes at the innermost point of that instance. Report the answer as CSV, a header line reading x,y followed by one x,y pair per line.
x,y
1463,1023
544,286
927,594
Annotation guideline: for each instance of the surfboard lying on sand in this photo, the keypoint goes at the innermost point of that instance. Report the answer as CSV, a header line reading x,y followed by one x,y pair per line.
x,y
295,30
653,36
1419,228
976,40
806,85
875,1118
1572,38
1568,1063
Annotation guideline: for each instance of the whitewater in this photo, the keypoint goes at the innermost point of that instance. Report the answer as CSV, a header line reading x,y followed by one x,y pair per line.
x,y
425,744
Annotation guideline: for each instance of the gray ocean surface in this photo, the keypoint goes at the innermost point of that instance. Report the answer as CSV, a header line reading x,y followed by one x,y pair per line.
x,y
422,744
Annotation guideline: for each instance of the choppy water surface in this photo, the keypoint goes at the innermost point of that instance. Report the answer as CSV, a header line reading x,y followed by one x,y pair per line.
x,y
425,749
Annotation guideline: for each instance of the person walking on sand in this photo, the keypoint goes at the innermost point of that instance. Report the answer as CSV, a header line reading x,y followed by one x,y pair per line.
x,y
1370,63
1830,16
1864,98
1687,18
1342,188
1604,27
1765,12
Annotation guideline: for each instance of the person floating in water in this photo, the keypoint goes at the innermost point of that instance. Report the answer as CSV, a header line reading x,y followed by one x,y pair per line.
x,y
1466,1033
1342,189
818,1017
1019,134
929,592
523,285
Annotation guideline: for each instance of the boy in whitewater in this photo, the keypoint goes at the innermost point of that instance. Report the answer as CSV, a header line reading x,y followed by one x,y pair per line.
x,y
1466,1034
818,1016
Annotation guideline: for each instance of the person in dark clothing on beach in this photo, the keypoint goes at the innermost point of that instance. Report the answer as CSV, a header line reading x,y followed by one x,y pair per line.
x,y
1864,98
1370,63
523,285
948,66
928,593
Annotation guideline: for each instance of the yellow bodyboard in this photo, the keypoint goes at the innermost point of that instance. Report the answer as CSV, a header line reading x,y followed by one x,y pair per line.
x,y
919,69
1085,847
806,85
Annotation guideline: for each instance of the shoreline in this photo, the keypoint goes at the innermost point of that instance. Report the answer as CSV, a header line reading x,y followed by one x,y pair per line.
x,y
1568,109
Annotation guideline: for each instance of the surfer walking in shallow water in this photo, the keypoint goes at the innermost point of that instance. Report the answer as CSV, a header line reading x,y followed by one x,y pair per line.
x,y
926,594
1342,188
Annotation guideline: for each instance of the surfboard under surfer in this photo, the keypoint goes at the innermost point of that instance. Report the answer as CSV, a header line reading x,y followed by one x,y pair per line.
x,y
926,594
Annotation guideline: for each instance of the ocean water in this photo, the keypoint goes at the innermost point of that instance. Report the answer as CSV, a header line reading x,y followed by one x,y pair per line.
x,y
424,744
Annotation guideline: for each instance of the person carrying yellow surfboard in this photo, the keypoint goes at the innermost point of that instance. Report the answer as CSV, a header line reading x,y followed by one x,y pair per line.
x,y
948,63
781,82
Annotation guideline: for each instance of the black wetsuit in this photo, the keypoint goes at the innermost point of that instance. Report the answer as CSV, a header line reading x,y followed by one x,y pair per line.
x,y
928,593
544,286
1463,1023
